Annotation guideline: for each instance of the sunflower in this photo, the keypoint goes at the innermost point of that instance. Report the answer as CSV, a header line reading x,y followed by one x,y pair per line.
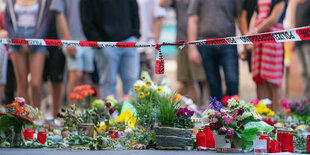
x,y
144,87
141,95
138,88
147,93
159,90
148,83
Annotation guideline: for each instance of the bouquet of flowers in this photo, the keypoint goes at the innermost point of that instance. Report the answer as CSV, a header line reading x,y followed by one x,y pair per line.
x,y
299,109
17,116
84,95
239,121
146,96
262,109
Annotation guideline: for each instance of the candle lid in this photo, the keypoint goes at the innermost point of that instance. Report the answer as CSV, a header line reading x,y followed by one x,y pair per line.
x,y
261,133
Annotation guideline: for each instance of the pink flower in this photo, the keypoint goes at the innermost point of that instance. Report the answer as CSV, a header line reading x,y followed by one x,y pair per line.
x,y
230,132
218,114
20,100
223,129
213,120
284,103
254,102
227,119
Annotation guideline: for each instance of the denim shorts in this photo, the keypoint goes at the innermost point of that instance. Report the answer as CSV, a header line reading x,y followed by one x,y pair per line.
x,y
83,60
26,33
3,64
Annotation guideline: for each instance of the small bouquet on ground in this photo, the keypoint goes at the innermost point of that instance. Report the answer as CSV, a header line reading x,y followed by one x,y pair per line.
x,y
84,95
183,118
298,109
17,116
239,121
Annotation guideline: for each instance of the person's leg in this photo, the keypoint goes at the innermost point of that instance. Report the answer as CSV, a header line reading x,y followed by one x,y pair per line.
x,y
303,53
259,91
107,61
95,79
20,65
275,89
211,66
229,61
36,69
56,68
10,86
129,68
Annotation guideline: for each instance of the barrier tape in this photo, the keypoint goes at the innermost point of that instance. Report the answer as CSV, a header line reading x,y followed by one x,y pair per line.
x,y
297,34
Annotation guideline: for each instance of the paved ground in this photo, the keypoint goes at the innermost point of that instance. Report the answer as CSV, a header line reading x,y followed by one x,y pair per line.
x,y
131,152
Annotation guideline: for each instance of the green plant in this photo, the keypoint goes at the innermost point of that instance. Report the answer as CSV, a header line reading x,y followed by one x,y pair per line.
x,y
167,111
70,116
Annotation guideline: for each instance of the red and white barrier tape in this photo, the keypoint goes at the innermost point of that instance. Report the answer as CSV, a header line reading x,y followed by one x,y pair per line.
x,y
298,34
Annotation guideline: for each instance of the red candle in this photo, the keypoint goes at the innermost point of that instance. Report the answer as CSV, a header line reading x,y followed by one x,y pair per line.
x,y
210,139
308,143
42,137
201,140
275,146
28,134
285,142
267,138
291,143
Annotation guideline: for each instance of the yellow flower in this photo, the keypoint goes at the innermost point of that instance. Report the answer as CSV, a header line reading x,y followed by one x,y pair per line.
x,y
141,95
159,90
144,87
138,88
148,83
266,110
271,114
147,93
260,105
259,110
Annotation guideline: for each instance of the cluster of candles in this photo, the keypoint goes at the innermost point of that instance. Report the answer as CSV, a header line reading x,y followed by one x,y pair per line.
x,y
205,139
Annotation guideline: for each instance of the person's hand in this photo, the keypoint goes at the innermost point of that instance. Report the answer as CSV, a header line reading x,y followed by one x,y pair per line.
x,y
194,55
292,46
3,34
71,51
243,54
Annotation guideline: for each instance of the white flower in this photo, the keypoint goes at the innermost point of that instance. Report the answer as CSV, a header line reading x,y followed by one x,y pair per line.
x,y
244,116
232,102
257,116
224,110
208,112
205,119
139,83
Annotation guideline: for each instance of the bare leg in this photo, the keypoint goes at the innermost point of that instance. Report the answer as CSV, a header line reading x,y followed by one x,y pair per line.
x,y
20,65
259,91
276,90
36,70
56,97
75,78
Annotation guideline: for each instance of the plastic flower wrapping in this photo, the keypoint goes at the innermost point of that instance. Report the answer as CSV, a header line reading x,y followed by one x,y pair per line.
x,y
238,121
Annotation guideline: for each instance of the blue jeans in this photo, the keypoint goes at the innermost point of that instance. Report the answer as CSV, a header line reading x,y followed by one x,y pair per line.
x,y
227,57
111,61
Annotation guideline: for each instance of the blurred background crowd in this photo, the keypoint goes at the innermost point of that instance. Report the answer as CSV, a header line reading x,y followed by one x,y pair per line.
x,y
46,76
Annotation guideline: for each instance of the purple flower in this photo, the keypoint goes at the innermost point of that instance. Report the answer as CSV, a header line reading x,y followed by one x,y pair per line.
x,y
218,114
240,111
190,113
241,127
216,105
108,104
223,129
230,132
111,111
301,107
239,124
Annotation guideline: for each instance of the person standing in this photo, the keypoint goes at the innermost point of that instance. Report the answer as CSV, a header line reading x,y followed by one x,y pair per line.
x,y
28,19
188,74
116,21
248,9
268,58
151,19
215,19
300,13
79,59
